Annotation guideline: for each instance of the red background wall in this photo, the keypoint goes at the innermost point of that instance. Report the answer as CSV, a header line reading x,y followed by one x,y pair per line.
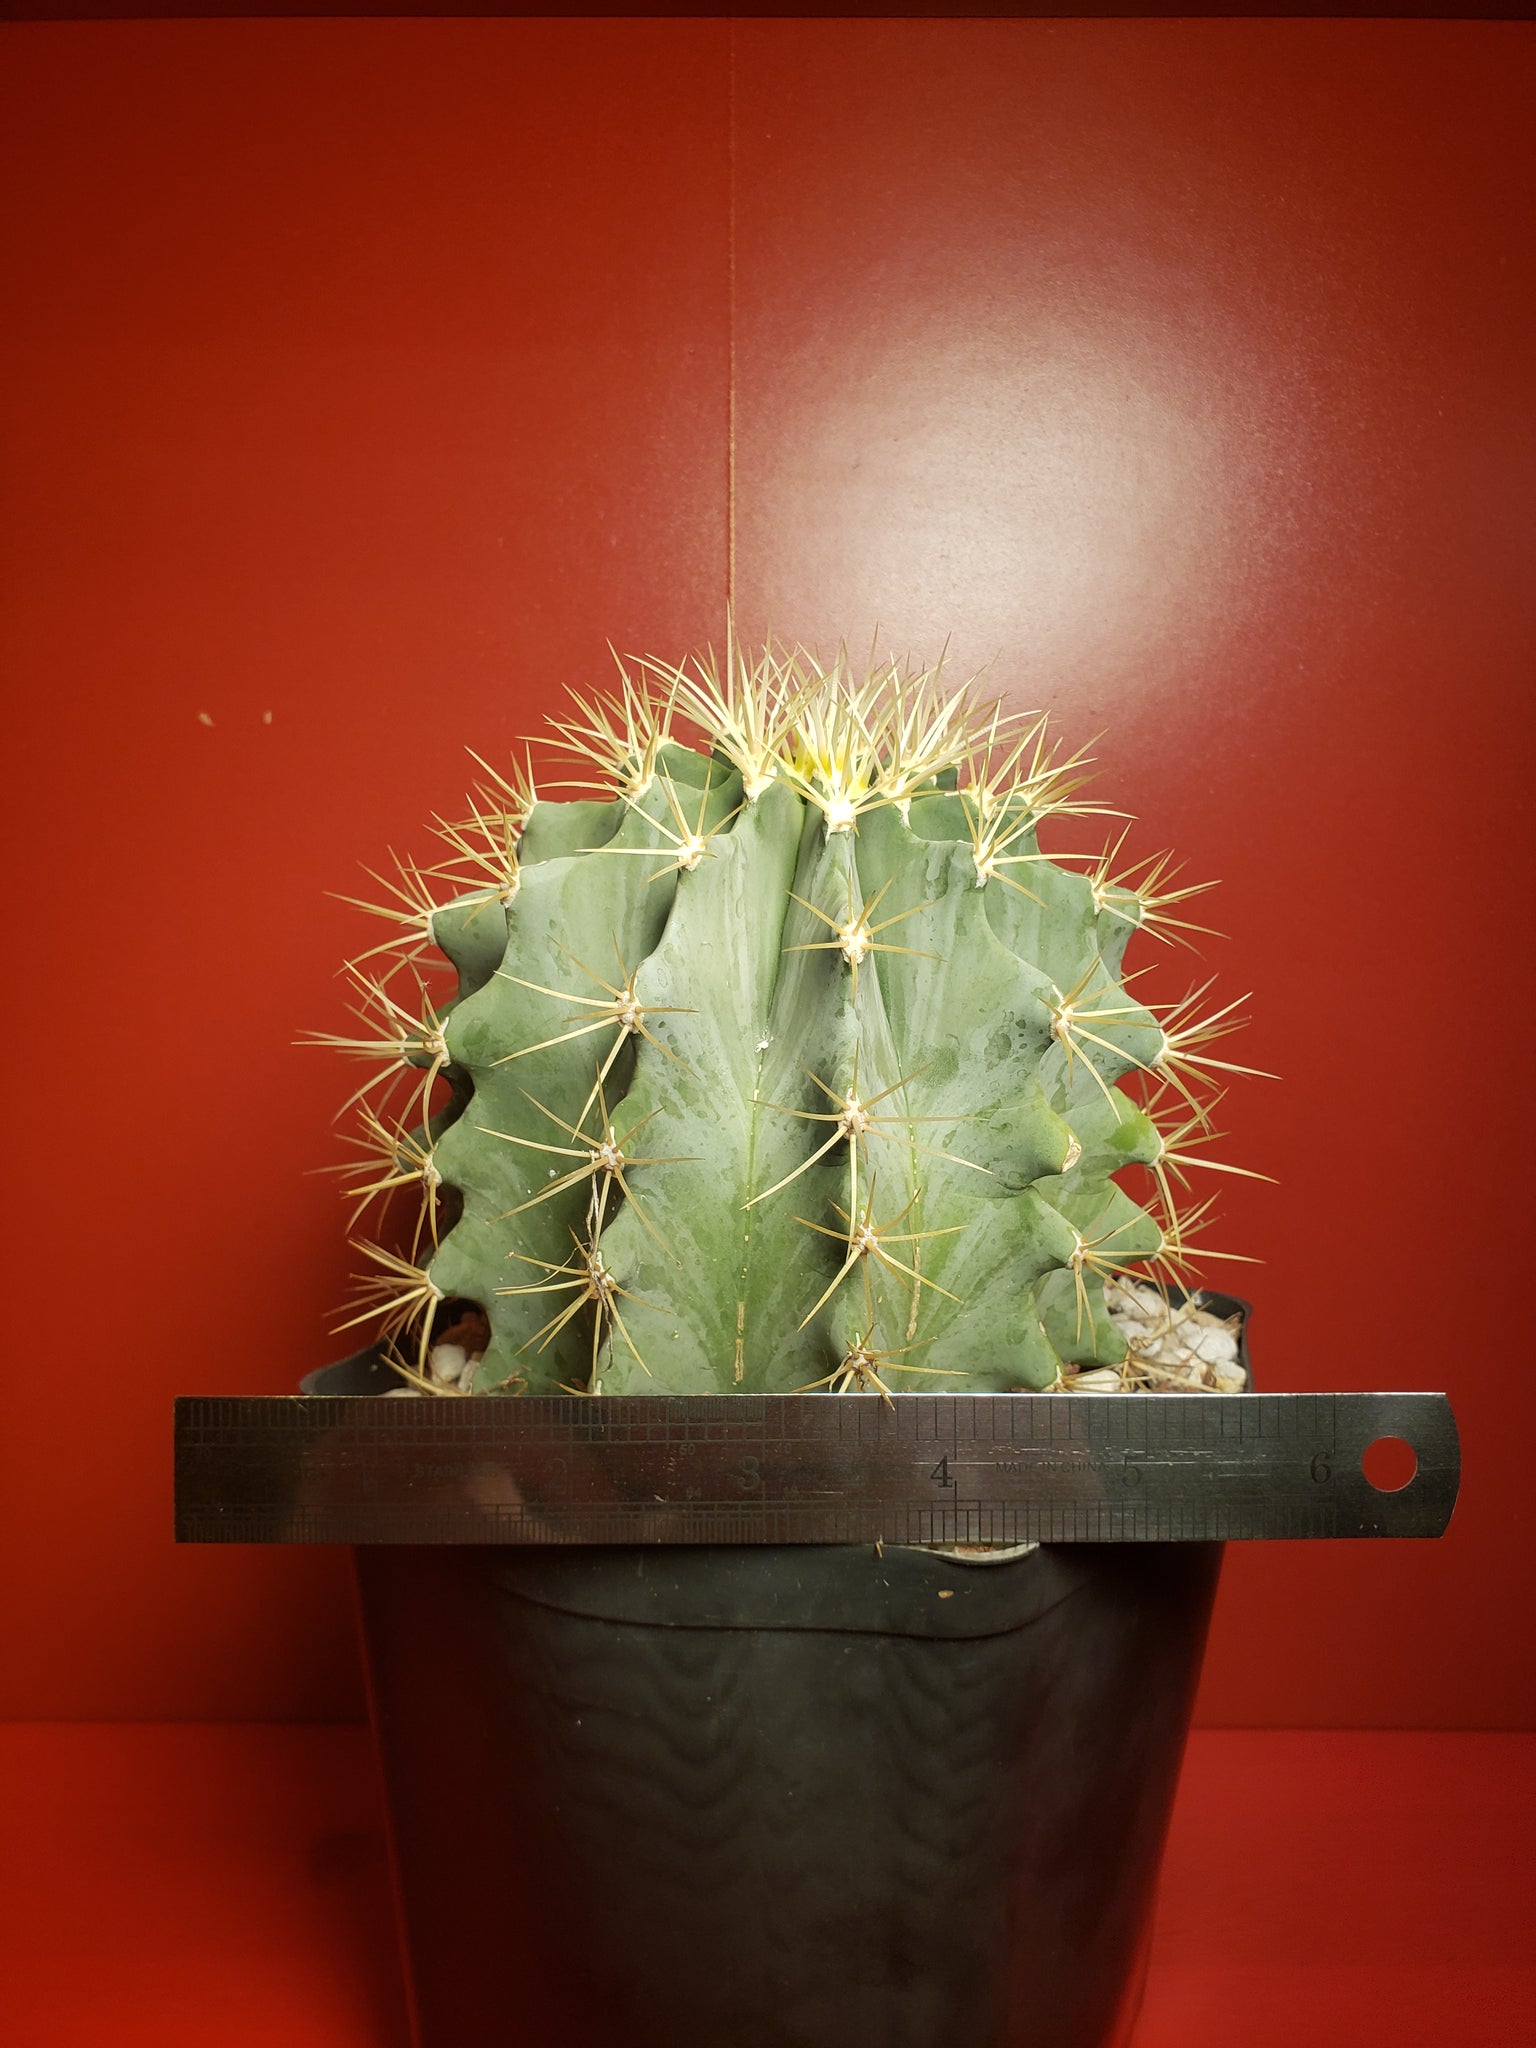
x,y
360,378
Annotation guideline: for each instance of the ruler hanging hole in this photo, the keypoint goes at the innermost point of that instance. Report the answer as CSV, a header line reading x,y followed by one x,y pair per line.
x,y
1389,1464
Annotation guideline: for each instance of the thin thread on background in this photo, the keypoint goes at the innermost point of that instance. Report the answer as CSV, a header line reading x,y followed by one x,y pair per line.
x,y
730,414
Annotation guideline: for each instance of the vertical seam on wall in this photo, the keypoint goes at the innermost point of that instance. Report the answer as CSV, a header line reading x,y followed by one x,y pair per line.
x,y
730,401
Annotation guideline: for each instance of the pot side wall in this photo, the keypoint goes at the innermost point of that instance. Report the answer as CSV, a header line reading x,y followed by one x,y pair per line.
x,y
861,1816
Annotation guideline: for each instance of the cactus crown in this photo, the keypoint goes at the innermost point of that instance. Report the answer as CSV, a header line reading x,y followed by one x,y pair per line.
x,y
787,1061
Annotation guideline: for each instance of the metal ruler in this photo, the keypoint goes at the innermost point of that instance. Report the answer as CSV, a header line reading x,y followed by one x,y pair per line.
x,y
807,1468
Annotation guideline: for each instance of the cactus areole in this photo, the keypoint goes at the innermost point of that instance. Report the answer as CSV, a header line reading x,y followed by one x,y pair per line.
x,y
781,1057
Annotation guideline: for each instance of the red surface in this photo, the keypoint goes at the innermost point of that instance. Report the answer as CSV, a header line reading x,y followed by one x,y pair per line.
x,y
171,1885
366,375
1184,370
370,374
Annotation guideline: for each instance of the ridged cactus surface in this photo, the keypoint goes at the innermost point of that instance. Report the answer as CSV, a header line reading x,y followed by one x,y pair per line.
x,y
789,1061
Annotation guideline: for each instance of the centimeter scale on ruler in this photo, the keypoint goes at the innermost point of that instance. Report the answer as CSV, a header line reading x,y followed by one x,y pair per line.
x,y
791,1468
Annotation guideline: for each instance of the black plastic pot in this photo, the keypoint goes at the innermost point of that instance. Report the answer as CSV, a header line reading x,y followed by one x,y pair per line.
x,y
778,1798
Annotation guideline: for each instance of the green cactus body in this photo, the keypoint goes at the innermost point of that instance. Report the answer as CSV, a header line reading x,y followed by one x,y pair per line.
x,y
793,1064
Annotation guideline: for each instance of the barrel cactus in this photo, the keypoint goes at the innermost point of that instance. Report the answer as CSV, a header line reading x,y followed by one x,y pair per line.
x,y
780,1058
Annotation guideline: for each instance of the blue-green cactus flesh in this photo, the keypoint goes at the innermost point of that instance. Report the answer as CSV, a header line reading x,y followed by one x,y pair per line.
x,y
791,1063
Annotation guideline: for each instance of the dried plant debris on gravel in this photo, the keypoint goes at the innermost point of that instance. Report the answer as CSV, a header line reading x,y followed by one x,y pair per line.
x,y
1171,1346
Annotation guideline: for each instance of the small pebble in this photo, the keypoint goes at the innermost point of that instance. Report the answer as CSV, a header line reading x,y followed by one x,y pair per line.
x,y
1171,1346
448,1362
1216,1347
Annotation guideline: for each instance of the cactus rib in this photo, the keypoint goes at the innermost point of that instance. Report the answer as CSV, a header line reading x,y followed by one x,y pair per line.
x,y
853,1101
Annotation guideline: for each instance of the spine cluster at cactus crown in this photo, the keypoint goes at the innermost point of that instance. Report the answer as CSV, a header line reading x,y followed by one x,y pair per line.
x,y
780,1056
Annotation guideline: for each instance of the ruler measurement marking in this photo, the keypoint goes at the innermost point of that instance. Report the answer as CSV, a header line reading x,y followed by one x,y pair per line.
x,y
790,1468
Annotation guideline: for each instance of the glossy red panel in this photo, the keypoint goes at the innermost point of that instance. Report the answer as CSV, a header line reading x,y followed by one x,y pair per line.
x,y
371,374
360,380
1182,372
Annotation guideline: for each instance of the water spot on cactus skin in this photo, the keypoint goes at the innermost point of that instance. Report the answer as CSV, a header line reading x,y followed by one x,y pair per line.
x,y
941,1067
1002,1046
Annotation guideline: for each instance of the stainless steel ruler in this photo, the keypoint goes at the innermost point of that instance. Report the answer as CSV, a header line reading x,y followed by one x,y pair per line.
x,y
807,1468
